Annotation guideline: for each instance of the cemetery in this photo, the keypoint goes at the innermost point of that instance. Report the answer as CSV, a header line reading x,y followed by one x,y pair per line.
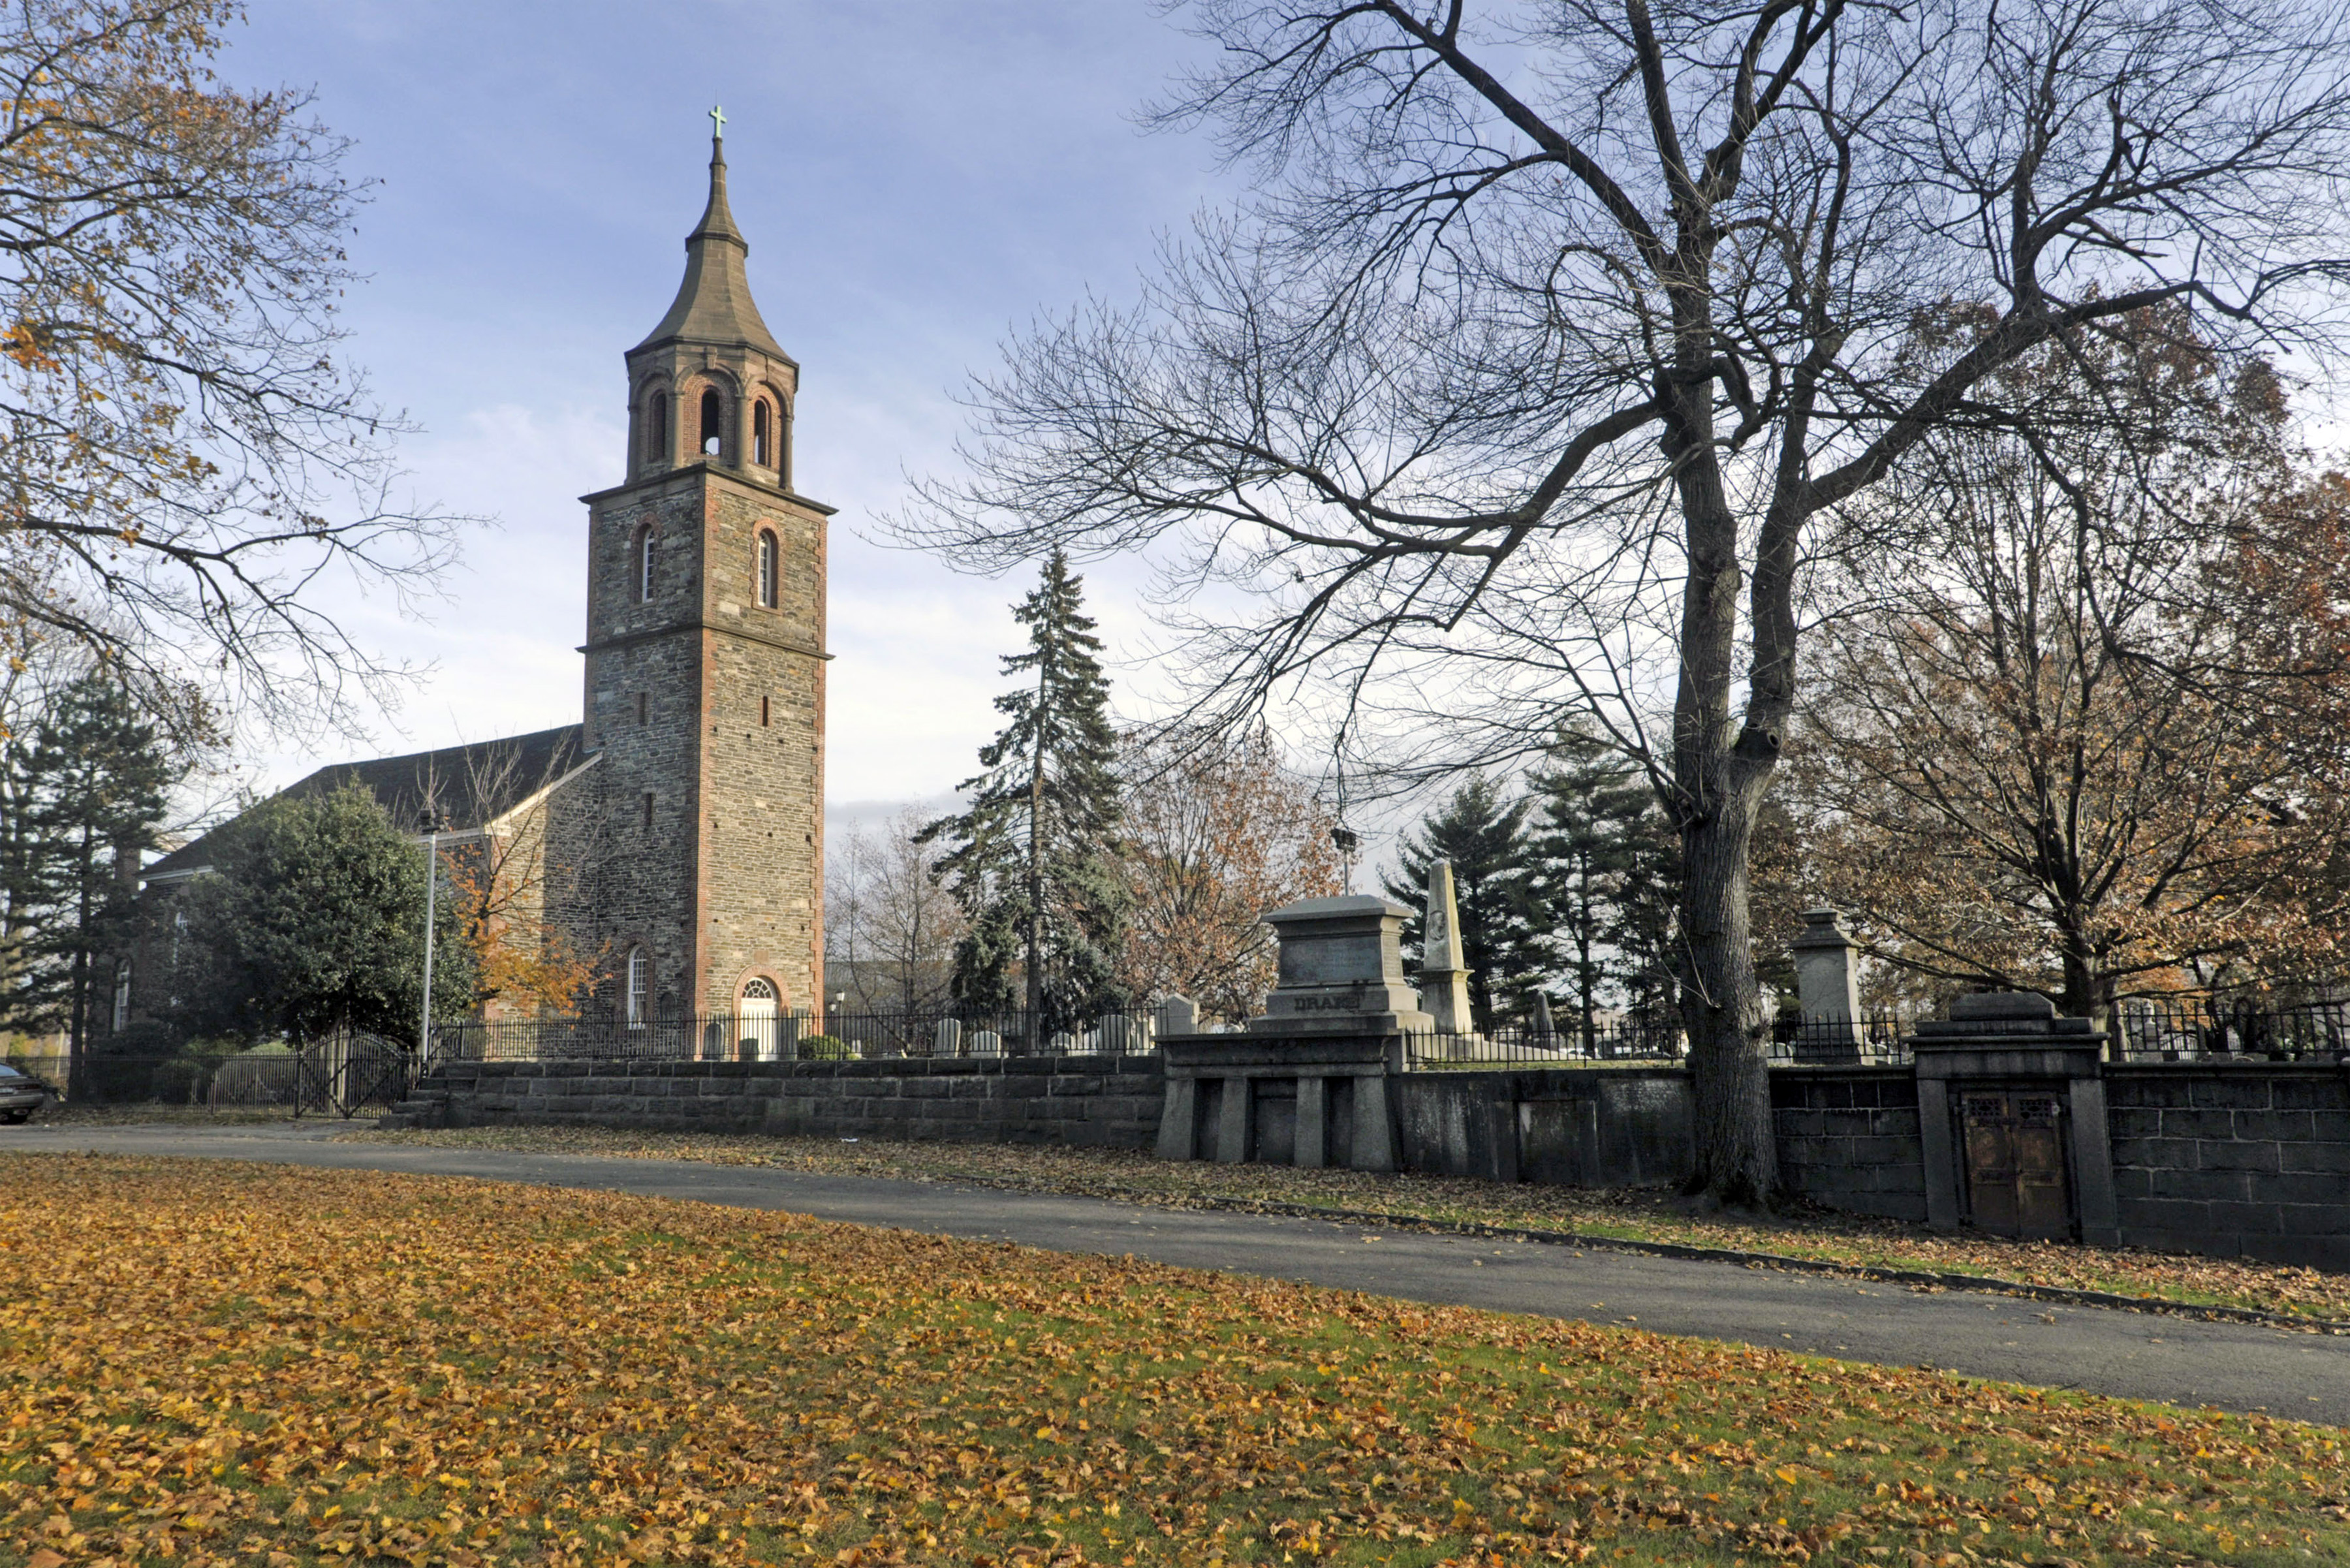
x,y
2001,1117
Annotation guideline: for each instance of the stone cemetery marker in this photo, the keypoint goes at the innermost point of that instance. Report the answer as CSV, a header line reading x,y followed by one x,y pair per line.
x,y
1443,968
1177,1014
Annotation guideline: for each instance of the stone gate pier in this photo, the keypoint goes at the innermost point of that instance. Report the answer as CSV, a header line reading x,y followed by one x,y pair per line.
x,y
1308,1083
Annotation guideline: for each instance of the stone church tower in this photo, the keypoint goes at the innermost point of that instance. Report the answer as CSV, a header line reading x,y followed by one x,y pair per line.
x,y
705,667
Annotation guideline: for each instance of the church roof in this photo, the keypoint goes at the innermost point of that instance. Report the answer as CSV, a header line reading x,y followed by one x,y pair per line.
x,y
474,784
713,303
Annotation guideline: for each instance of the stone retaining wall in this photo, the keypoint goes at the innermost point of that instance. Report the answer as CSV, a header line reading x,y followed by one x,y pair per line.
x,y
1109,1103
2230,1158
1848,1138
2233,1157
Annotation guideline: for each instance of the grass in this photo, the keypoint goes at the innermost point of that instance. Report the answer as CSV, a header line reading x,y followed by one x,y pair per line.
x,y
1630,1213
213,1363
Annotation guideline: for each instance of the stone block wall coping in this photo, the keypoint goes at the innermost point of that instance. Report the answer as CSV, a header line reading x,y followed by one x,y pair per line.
x,y
2008,1057
1256,1056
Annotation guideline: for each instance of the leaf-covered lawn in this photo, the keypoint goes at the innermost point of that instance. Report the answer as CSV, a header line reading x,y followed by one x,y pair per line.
x,y
1631,1213
254,1364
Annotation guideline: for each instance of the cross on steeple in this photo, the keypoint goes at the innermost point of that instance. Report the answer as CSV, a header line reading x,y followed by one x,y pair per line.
x,y
717,123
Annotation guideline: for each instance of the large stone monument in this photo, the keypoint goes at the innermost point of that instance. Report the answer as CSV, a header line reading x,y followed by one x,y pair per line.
x,y
1306,1084
1828,989
1443,968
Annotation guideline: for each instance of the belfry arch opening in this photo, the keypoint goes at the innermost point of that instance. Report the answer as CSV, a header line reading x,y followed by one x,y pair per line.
x,y
714,425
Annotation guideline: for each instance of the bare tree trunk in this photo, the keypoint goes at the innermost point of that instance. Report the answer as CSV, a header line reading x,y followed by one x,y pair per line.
x,y
1720,768
1738,1156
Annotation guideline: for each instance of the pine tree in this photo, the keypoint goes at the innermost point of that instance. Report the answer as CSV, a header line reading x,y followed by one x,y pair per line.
x,y
1033,861
1603,879
1484,837
94,786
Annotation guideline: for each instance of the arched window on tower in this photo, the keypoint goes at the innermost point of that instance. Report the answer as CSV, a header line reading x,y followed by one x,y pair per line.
x,y
762,442
647,545
714,425
657,428
639,982
770,570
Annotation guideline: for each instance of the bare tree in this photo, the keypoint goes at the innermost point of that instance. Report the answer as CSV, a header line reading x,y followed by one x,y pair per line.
x,y
890,929
1560,335
185,461
1218,831
2077,751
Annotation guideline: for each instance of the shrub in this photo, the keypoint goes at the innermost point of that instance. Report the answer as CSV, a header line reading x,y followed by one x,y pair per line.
x,y
825,1048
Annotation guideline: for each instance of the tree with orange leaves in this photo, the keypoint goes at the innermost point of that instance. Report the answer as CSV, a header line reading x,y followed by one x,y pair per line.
x,y
2086,742
1217,831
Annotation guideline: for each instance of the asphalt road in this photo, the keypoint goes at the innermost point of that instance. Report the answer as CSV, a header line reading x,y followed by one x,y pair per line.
x,y
2177,1360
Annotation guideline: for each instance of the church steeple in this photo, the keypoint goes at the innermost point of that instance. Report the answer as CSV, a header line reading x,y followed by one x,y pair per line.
x,y
713,301
711,384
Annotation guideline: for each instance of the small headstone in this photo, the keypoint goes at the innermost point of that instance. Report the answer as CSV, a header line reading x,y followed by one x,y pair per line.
x,y
1061,1044
1177,1014
1117,1034
946,1040
987,1042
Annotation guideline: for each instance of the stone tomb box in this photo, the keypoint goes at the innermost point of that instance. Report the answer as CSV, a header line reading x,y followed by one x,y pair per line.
x,y
1341,970
1307,1084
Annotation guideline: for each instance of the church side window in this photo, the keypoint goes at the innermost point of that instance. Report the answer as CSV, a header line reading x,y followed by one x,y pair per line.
x,y
762,443
768,569
123,995
714,425
644,564
638,977
657,428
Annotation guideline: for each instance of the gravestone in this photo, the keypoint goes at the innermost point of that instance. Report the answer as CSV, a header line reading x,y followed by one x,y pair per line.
x,y
1443,967
1176,1015
946,1040
1828,989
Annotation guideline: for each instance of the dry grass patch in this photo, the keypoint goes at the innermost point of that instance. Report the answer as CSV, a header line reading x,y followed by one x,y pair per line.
x,y
1642,1214
212,1363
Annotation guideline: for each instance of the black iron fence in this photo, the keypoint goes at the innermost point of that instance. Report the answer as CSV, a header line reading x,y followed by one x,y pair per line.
x,y
2206,1028
342,1075
788,1037
1881,1039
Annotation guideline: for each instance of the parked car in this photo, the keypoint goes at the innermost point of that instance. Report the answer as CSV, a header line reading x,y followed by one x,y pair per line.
x,y
21,1093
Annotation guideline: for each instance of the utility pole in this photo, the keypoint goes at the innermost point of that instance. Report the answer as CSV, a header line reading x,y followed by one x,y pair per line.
x,y
432,824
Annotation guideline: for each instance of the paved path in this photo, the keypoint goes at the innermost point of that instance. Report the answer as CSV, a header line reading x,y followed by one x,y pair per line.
x,y
2236,1366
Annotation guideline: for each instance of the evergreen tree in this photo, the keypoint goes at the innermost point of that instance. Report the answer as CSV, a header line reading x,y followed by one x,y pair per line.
x,y
1484,837
89,794
314,921
1605,879
1035,859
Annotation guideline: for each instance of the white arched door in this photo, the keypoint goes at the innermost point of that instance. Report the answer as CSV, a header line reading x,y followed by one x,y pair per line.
x,y
755,1018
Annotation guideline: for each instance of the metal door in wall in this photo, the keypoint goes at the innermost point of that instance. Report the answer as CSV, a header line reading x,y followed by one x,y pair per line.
x,y
2016,1178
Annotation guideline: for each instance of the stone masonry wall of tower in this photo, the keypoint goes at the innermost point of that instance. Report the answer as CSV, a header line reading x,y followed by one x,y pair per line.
x,y
704,832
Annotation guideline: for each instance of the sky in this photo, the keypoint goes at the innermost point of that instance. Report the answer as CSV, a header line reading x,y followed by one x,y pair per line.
x,y
917,180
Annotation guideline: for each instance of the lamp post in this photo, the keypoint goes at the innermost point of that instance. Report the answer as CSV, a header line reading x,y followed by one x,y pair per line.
x,y
1348,841
430,823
